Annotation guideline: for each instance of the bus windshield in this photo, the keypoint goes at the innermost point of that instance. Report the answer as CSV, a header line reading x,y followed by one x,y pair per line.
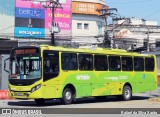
x,y
25,68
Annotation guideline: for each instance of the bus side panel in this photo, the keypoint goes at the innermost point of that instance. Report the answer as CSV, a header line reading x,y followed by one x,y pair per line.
x,y
95,90
49,91
145,81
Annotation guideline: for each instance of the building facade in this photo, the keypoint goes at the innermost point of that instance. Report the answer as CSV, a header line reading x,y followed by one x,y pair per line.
x,y
7,18
29,21
87,25
134,33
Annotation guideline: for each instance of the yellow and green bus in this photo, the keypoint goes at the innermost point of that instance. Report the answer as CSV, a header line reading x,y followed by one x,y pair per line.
x,y
49,72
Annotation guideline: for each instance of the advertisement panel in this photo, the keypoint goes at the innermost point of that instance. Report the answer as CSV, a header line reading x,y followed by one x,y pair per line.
x,y
29,13
87,8
34,12
28,4
29,32
27,22
62,17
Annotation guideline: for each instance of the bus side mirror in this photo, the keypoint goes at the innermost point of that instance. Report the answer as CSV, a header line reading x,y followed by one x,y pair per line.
x,y
5,64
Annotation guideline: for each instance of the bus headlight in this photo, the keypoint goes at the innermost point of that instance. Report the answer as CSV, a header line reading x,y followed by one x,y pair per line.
x,y
35,88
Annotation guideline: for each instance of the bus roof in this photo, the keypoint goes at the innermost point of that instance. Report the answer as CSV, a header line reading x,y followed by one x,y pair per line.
x,y
93,50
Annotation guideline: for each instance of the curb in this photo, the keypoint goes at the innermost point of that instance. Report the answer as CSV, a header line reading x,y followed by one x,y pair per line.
x,y
155,99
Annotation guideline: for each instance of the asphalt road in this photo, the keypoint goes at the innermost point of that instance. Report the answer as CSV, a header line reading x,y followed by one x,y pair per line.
x,y
111,105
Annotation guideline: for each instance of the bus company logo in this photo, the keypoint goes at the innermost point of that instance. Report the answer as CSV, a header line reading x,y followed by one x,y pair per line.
x,y
29,32
30,12
83,77
60,15
116,78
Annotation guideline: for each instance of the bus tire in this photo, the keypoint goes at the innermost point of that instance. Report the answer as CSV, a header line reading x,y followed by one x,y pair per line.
x,y
67,96
40,101
127,93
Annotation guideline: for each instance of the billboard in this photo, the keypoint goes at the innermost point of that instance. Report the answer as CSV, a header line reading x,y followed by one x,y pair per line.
x,y
28,4
62,17
87,8
27,22
29,32
29,13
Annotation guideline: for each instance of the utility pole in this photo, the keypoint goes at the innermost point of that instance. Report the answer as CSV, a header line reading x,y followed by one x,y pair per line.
x,y
148,39
107,12
112,41
53,4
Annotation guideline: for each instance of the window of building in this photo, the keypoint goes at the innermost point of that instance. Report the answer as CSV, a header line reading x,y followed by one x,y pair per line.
x,y
69,61
114,63
149,64
127,64
86,26
100,63
138,64
85,61
99,28
79,25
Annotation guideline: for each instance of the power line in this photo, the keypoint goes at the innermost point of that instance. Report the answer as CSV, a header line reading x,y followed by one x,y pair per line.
x,y
7,28
141,2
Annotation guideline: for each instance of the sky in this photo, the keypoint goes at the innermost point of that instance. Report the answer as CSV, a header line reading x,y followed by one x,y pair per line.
x,y
146,9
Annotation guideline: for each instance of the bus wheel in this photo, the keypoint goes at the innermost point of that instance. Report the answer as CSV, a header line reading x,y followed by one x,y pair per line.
x,y
127,93
67,96
40,101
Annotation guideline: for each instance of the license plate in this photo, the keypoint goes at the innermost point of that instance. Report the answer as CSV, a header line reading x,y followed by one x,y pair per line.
x,y
19,94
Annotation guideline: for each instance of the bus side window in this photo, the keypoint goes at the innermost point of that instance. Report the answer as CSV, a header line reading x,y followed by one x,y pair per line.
x,y
149,64
69,61
127,64
100,63
138,64
114,63
85,61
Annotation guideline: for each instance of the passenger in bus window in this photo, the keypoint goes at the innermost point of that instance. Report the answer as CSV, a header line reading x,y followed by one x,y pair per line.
x,y
46,67
124,66
73,64
55,65
98,65
65,65
118,65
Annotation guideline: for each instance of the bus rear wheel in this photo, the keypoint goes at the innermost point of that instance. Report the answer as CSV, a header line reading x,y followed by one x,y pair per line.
x,y
67,96
127,93
40,101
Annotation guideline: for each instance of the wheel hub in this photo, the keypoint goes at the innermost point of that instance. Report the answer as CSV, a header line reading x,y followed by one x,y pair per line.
x,y
127,93
68,95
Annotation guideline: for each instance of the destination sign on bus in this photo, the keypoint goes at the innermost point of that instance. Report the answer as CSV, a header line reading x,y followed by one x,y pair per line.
x,y
25,51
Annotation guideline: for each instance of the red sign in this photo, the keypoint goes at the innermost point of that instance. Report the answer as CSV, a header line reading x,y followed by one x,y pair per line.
x,y
26,51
